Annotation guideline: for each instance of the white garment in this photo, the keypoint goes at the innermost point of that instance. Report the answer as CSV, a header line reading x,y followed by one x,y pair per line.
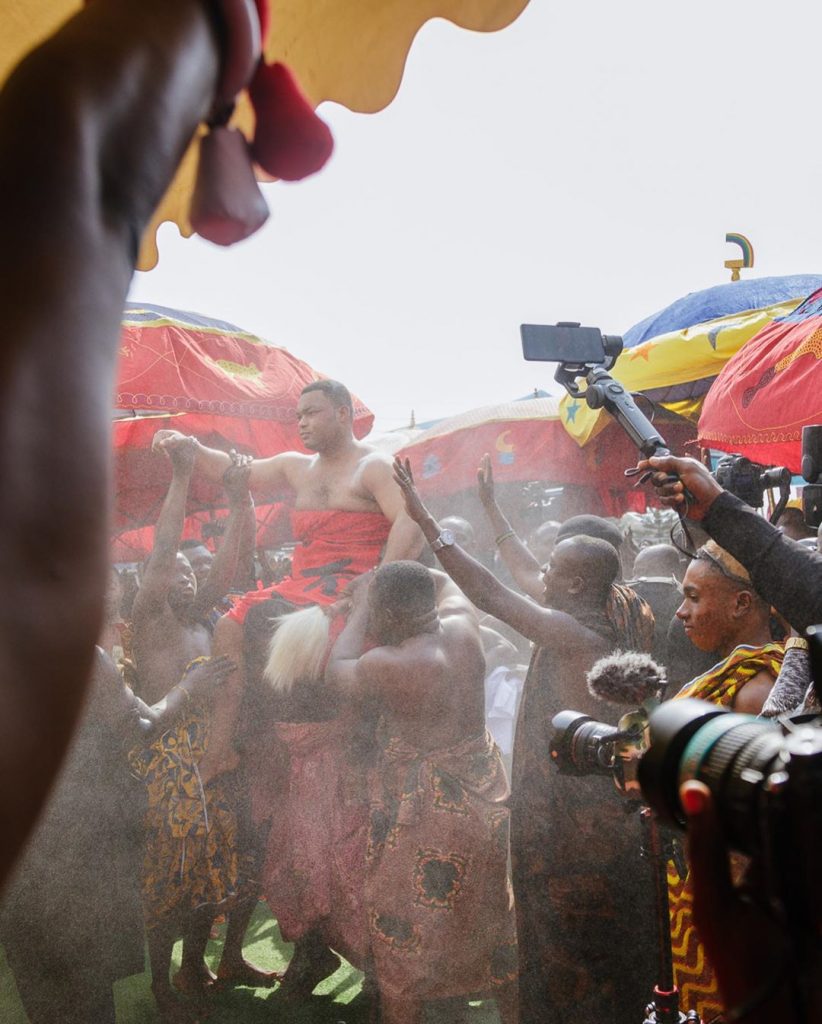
x,y
503,689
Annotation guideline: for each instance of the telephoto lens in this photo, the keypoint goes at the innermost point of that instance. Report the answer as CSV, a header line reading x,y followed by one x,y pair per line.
x,y
763,775
582,746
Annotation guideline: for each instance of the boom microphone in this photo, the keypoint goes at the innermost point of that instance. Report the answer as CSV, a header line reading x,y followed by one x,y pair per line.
x,y
627,677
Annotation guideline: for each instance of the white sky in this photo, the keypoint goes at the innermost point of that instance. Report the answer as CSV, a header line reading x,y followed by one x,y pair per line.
x,y
583,164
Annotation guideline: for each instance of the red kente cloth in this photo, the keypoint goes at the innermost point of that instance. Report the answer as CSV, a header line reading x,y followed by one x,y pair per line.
x,y
314,874
334,547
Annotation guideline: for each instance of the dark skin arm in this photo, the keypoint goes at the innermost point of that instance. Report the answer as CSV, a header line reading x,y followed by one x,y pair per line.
x,y
539,624
343,672
125,713
784,573
153,721
519,561
162,565
92,126
384,670
240,529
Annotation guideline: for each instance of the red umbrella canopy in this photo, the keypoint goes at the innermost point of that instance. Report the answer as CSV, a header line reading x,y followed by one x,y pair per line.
x,y
769,390
273,529
207,378
527,441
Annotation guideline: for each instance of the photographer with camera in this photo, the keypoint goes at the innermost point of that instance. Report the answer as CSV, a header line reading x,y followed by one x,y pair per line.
x,y
784,573
584,918
765,972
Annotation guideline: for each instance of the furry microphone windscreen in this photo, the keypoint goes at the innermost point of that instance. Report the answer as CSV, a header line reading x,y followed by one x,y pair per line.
x,y
626,677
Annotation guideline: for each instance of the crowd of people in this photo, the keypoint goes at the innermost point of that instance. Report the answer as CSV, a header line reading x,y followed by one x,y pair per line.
x,y
323,743
326,744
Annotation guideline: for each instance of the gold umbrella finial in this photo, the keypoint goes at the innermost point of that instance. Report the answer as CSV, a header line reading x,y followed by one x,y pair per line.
x,y
747,255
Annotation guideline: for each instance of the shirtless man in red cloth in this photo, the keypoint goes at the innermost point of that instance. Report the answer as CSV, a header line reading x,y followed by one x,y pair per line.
x,y
347,513
348,516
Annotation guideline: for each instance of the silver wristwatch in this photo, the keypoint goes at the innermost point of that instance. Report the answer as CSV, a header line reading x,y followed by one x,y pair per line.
x,y
445,540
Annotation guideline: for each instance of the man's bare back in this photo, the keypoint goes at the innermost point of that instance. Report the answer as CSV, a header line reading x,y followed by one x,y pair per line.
x,y
432,694
429,684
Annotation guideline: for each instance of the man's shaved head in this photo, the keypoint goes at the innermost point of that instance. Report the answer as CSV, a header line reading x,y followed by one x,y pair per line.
x,y
658,560
581,570
591,526
402,599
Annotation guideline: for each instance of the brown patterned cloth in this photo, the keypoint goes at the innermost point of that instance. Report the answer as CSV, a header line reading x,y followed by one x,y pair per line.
x,y
191,857
631,618
438,892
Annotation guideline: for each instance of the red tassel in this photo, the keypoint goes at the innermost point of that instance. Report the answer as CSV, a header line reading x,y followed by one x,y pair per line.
x,y
290,141
227,205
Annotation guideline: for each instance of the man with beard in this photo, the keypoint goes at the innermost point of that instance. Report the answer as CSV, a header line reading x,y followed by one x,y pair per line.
x,y
584,927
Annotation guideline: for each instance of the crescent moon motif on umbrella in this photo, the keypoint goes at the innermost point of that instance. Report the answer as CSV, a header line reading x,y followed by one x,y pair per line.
x,y
506,450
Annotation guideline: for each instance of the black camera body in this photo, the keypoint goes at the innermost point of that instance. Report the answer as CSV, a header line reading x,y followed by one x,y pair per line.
x,y
765,778
582,746
748,480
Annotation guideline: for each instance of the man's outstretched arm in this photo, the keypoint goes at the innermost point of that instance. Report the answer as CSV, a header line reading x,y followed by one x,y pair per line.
x,y
481,587
784,573
92,126
525,569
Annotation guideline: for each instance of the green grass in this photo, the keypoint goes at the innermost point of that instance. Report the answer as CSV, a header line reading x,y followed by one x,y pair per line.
x,y
335,1000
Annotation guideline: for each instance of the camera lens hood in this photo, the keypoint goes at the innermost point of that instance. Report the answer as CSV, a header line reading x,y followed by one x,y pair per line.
x,y
671,727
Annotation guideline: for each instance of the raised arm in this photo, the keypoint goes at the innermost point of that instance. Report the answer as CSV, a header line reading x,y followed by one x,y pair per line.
x,y
522,565
92,126
481,587
162,565
343,672
240,530
271,474
405,539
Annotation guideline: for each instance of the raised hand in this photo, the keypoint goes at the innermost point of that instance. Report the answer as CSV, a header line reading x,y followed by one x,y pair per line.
x,y
166,437
235,478
485,481
208,675
182,452
405,480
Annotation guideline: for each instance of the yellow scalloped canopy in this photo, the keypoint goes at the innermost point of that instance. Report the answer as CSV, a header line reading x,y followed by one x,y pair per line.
x,y
349,51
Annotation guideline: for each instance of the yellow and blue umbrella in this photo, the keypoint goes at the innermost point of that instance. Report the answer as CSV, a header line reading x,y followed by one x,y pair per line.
x,y
675,355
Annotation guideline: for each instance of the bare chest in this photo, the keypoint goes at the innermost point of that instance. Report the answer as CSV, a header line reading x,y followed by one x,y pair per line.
x,y
163,649
338,487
